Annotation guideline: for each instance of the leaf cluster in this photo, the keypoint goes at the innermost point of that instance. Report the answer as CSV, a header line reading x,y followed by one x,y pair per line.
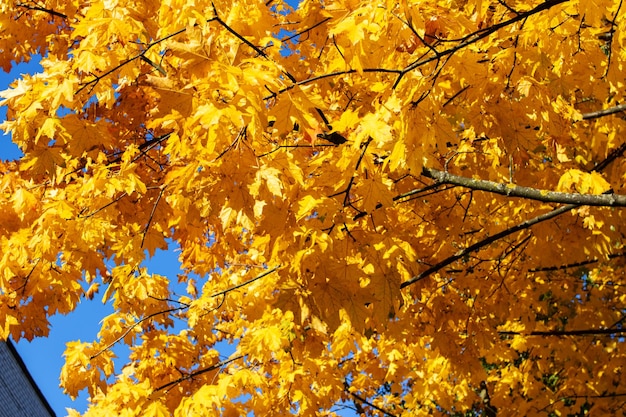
x,y
384,206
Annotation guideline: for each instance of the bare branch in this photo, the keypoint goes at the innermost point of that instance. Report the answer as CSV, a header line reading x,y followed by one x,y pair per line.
x,y
199,372
130,328
481,244
476,36
604,112
245,282
561,333
521,226
575,264
41,9
512,190
302,32
156,203
366,402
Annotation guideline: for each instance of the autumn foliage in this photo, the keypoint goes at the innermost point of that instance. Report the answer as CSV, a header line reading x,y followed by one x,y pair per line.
x,y
407,208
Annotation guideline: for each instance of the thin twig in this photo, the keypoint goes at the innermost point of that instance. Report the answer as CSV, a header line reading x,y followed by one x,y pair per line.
x,y
302,32
575,264
243,284
97,78
145,231
477,36
458,93
369,404
103,207
128,330
199,372
42,9
247,42
487,241
240,135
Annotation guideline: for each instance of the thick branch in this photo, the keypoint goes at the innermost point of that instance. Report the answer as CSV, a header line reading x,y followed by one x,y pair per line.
x,y
584,332
604,112
512,190
605,395
521,226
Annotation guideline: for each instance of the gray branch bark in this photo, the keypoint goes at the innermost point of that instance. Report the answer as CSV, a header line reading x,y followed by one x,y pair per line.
x,y
512,190
604,112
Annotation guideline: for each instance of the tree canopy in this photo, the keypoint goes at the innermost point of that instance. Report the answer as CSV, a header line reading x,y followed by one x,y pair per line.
x,y
407,207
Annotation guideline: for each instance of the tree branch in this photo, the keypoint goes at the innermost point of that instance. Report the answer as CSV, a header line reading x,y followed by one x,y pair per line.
x,y
479,245
604,112
512,190
156,203
616,153
366,402
247,42
141,54
318,145
93,213
243,284
131,327
302,32
42,9
560,333
199,372
524,225
575,264
476,36
463,42
605,395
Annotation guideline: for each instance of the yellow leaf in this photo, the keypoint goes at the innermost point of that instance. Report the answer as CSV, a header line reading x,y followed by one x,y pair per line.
x,y
566,110
376,190
306,205
9,322
266,341
583,182
524,85
269,177
156,409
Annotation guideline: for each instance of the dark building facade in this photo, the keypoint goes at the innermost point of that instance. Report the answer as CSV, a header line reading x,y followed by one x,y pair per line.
x,y
19,395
